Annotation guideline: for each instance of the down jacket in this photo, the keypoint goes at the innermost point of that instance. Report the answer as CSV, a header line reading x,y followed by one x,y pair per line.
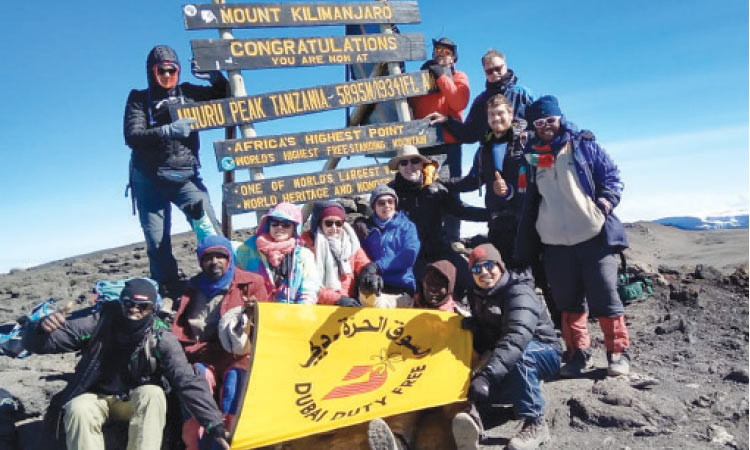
x,y
394,248
505,319
148,109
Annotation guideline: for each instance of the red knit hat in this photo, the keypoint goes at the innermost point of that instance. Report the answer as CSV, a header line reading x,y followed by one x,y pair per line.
x,y
485,252
333,211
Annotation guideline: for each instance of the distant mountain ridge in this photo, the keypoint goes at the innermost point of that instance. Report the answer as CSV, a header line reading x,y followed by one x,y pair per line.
x,y
727,222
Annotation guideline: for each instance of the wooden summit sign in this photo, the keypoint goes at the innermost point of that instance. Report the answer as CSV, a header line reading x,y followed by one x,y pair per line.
x,y
225,54
243,110
294,14
263,194
307,146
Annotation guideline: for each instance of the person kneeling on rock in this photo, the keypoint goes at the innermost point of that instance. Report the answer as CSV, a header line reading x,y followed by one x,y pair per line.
x,y
127,352
518,346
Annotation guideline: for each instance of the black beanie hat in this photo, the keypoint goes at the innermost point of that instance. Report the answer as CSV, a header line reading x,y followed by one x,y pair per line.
x,y
138,290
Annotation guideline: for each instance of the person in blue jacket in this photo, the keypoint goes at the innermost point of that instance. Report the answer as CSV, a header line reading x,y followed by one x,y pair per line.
x,y
573,189
391,241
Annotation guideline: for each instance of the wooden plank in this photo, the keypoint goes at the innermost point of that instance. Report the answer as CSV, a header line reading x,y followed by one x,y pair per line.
x,y
241,110
221,54
268,151
263,194
297,14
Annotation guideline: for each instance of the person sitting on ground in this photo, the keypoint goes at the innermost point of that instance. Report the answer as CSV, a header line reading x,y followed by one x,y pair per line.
x,y
275,251
426,202
127,352
217,289
391,241
501,168
430,428
500,80
573,188
518,345
338,255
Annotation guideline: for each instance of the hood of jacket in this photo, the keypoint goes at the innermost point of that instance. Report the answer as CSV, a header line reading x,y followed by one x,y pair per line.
x,y
282,211
157,55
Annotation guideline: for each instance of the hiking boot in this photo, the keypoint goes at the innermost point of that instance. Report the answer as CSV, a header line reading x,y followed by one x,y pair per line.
x,y
533,434
618,363
380,437
466,432
576,364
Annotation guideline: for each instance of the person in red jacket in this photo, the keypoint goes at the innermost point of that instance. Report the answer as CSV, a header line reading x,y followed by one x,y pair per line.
x,y
450,100
213,324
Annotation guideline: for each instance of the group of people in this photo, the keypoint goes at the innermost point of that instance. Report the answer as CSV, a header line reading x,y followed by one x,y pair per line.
x,y
549,192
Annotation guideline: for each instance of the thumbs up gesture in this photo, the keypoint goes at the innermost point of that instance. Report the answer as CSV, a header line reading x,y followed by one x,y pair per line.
x,y
499,185
56,319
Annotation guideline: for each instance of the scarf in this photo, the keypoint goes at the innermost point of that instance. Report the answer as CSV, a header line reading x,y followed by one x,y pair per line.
x,y
333,255
273,250
543,156
501,85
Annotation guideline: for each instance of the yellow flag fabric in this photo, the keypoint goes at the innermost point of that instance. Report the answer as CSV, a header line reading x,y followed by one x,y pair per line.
x,y
316,368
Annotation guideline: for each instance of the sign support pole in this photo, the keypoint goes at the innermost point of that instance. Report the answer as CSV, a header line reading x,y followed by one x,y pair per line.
x,y
237,86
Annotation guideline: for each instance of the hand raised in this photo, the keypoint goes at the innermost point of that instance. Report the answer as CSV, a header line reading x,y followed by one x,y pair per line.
x,y
499,185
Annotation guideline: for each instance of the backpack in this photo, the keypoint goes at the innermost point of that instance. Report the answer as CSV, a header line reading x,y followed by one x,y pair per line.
x,y
10,335
632,287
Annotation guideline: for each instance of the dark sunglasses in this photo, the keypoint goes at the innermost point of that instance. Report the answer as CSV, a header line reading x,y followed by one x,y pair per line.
x,y
487,265
385,201
142,306
330,223
414,161
545,120
165,70
491,70
442,51
280,223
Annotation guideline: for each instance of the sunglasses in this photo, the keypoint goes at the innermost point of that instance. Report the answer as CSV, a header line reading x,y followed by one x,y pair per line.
x,y
442,51
491,70
385,201
414,161
142,306
487,265
545,120
280,223
330,223
165,70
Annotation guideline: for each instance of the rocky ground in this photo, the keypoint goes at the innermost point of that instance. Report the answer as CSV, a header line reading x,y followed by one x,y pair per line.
x,y
688,390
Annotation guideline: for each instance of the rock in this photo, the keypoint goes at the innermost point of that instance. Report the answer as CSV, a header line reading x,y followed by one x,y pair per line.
x,y
703,402
719,435
689,295
705,272
739,375
663,269
646,431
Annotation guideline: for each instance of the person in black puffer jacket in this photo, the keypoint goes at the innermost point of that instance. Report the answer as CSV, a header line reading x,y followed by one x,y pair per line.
x,y
518,346
426,202
164,161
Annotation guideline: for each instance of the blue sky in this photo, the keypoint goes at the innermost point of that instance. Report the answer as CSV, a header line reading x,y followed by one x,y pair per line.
x,y
663,85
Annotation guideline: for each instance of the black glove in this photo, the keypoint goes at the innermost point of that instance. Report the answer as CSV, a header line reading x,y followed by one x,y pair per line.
x,y
178,129
370,281
348,301
194,210
437,70
211,75
218,432
360,227
468,323
479,390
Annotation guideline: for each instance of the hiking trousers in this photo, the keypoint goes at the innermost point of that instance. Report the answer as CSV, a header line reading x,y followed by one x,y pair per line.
x,y
153,199
146,410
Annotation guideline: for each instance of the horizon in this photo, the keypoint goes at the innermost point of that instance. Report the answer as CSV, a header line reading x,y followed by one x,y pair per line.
x,y
664,90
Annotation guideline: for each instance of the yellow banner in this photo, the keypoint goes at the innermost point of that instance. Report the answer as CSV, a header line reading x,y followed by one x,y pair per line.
x,y
316,368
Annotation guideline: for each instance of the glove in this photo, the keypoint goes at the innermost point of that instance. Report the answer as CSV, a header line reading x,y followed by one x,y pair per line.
x,y
468,323
177,129
370,281
348,301
437,70
360,227
211,75
194,210
218,432
479,390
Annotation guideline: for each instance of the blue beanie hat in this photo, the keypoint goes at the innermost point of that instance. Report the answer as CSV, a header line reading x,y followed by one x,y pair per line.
x,y
543,107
